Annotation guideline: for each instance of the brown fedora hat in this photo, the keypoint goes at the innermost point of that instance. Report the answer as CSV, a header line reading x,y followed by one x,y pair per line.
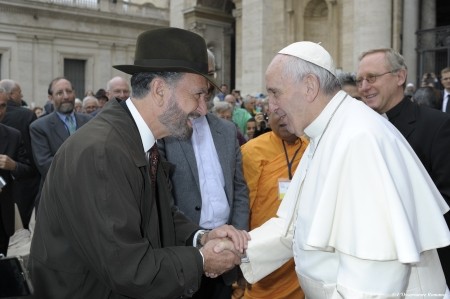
x,y
170,50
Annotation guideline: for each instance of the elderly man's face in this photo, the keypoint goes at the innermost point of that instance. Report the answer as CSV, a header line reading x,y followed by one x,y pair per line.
x,y
286,97
279,127
63,96
182,103
90,106
16,94
118,88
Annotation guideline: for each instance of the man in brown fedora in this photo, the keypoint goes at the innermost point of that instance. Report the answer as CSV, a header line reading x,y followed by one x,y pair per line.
x,y
106,225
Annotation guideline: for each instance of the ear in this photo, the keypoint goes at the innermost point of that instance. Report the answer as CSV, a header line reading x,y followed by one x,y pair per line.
x,y
311,84
401,75
157,89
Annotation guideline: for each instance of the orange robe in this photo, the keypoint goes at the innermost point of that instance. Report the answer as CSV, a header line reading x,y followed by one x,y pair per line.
x,y
264,162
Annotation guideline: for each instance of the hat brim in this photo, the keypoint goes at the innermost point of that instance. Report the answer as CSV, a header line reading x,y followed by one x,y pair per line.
x,y
133,69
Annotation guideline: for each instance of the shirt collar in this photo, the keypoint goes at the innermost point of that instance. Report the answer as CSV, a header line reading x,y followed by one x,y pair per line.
x,y
446,93
63,116
146,134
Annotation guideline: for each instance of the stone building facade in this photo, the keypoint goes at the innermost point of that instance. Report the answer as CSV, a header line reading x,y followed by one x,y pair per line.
x,y
82,39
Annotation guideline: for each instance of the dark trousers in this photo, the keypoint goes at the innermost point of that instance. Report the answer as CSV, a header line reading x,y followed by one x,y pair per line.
x,y
4,240
213,288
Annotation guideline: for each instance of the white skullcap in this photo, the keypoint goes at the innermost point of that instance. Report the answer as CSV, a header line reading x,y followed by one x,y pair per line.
x,y
311,52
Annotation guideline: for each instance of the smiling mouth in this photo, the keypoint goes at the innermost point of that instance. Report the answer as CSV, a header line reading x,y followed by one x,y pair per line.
x,y
370,96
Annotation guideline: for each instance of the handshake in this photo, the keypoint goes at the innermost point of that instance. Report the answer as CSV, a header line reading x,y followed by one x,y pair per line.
x,y
223,248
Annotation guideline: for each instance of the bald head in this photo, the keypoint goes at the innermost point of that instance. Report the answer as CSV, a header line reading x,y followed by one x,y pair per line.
x,y
13,90
118,88
230,99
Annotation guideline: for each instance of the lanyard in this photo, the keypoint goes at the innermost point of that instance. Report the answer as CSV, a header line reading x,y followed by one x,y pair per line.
x,y
289,163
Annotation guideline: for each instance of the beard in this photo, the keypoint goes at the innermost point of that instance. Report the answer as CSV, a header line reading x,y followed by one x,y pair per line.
x,y
66,107
176,120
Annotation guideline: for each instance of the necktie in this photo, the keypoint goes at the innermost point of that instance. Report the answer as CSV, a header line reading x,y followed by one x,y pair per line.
x,y
152,210
70,124
153,161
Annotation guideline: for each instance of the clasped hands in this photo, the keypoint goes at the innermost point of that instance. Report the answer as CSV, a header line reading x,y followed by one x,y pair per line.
x,y
223,248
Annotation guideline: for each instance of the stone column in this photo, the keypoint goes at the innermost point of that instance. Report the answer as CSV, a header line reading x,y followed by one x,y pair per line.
x,y
333,23
409,42
237,14
252,45
373,25
428,21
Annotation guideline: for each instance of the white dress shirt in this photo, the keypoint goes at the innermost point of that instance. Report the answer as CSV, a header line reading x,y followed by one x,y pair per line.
x,y
146,134
445,101
215,208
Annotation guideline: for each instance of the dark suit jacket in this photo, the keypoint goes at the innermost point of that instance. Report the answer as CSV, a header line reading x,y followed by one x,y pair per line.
x,y
11,144
185,179
20,118
440,102
47,135
26,189
428,132
99,232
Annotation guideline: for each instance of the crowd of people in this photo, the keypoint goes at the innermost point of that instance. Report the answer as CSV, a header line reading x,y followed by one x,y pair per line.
x,y
328,185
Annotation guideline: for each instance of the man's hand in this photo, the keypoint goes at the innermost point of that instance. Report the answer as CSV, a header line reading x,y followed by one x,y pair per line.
x,y
240,238
219,256
7,163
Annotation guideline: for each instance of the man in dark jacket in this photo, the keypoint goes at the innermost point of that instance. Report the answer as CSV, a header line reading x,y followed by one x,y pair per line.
x,y
106,225
24,191
14,164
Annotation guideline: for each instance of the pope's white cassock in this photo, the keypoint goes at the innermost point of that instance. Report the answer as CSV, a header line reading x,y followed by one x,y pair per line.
x,y
361,217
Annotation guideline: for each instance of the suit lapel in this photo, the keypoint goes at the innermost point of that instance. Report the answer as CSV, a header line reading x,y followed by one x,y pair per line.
x,y
222,145
404,117
408,118
188,150
220,141
60,128
3,137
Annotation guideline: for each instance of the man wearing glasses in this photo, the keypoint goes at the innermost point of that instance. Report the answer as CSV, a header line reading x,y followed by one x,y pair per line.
x,y
381,80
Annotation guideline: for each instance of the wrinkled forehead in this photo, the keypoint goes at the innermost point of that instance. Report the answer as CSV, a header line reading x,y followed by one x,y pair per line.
x,y
61,84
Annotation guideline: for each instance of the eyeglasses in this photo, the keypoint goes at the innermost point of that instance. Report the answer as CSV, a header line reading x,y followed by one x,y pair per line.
x,y
371,78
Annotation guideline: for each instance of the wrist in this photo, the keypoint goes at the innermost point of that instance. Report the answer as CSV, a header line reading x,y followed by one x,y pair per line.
x,y
200,238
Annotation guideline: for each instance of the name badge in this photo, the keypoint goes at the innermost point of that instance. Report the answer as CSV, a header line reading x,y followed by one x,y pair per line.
x,y
283,185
